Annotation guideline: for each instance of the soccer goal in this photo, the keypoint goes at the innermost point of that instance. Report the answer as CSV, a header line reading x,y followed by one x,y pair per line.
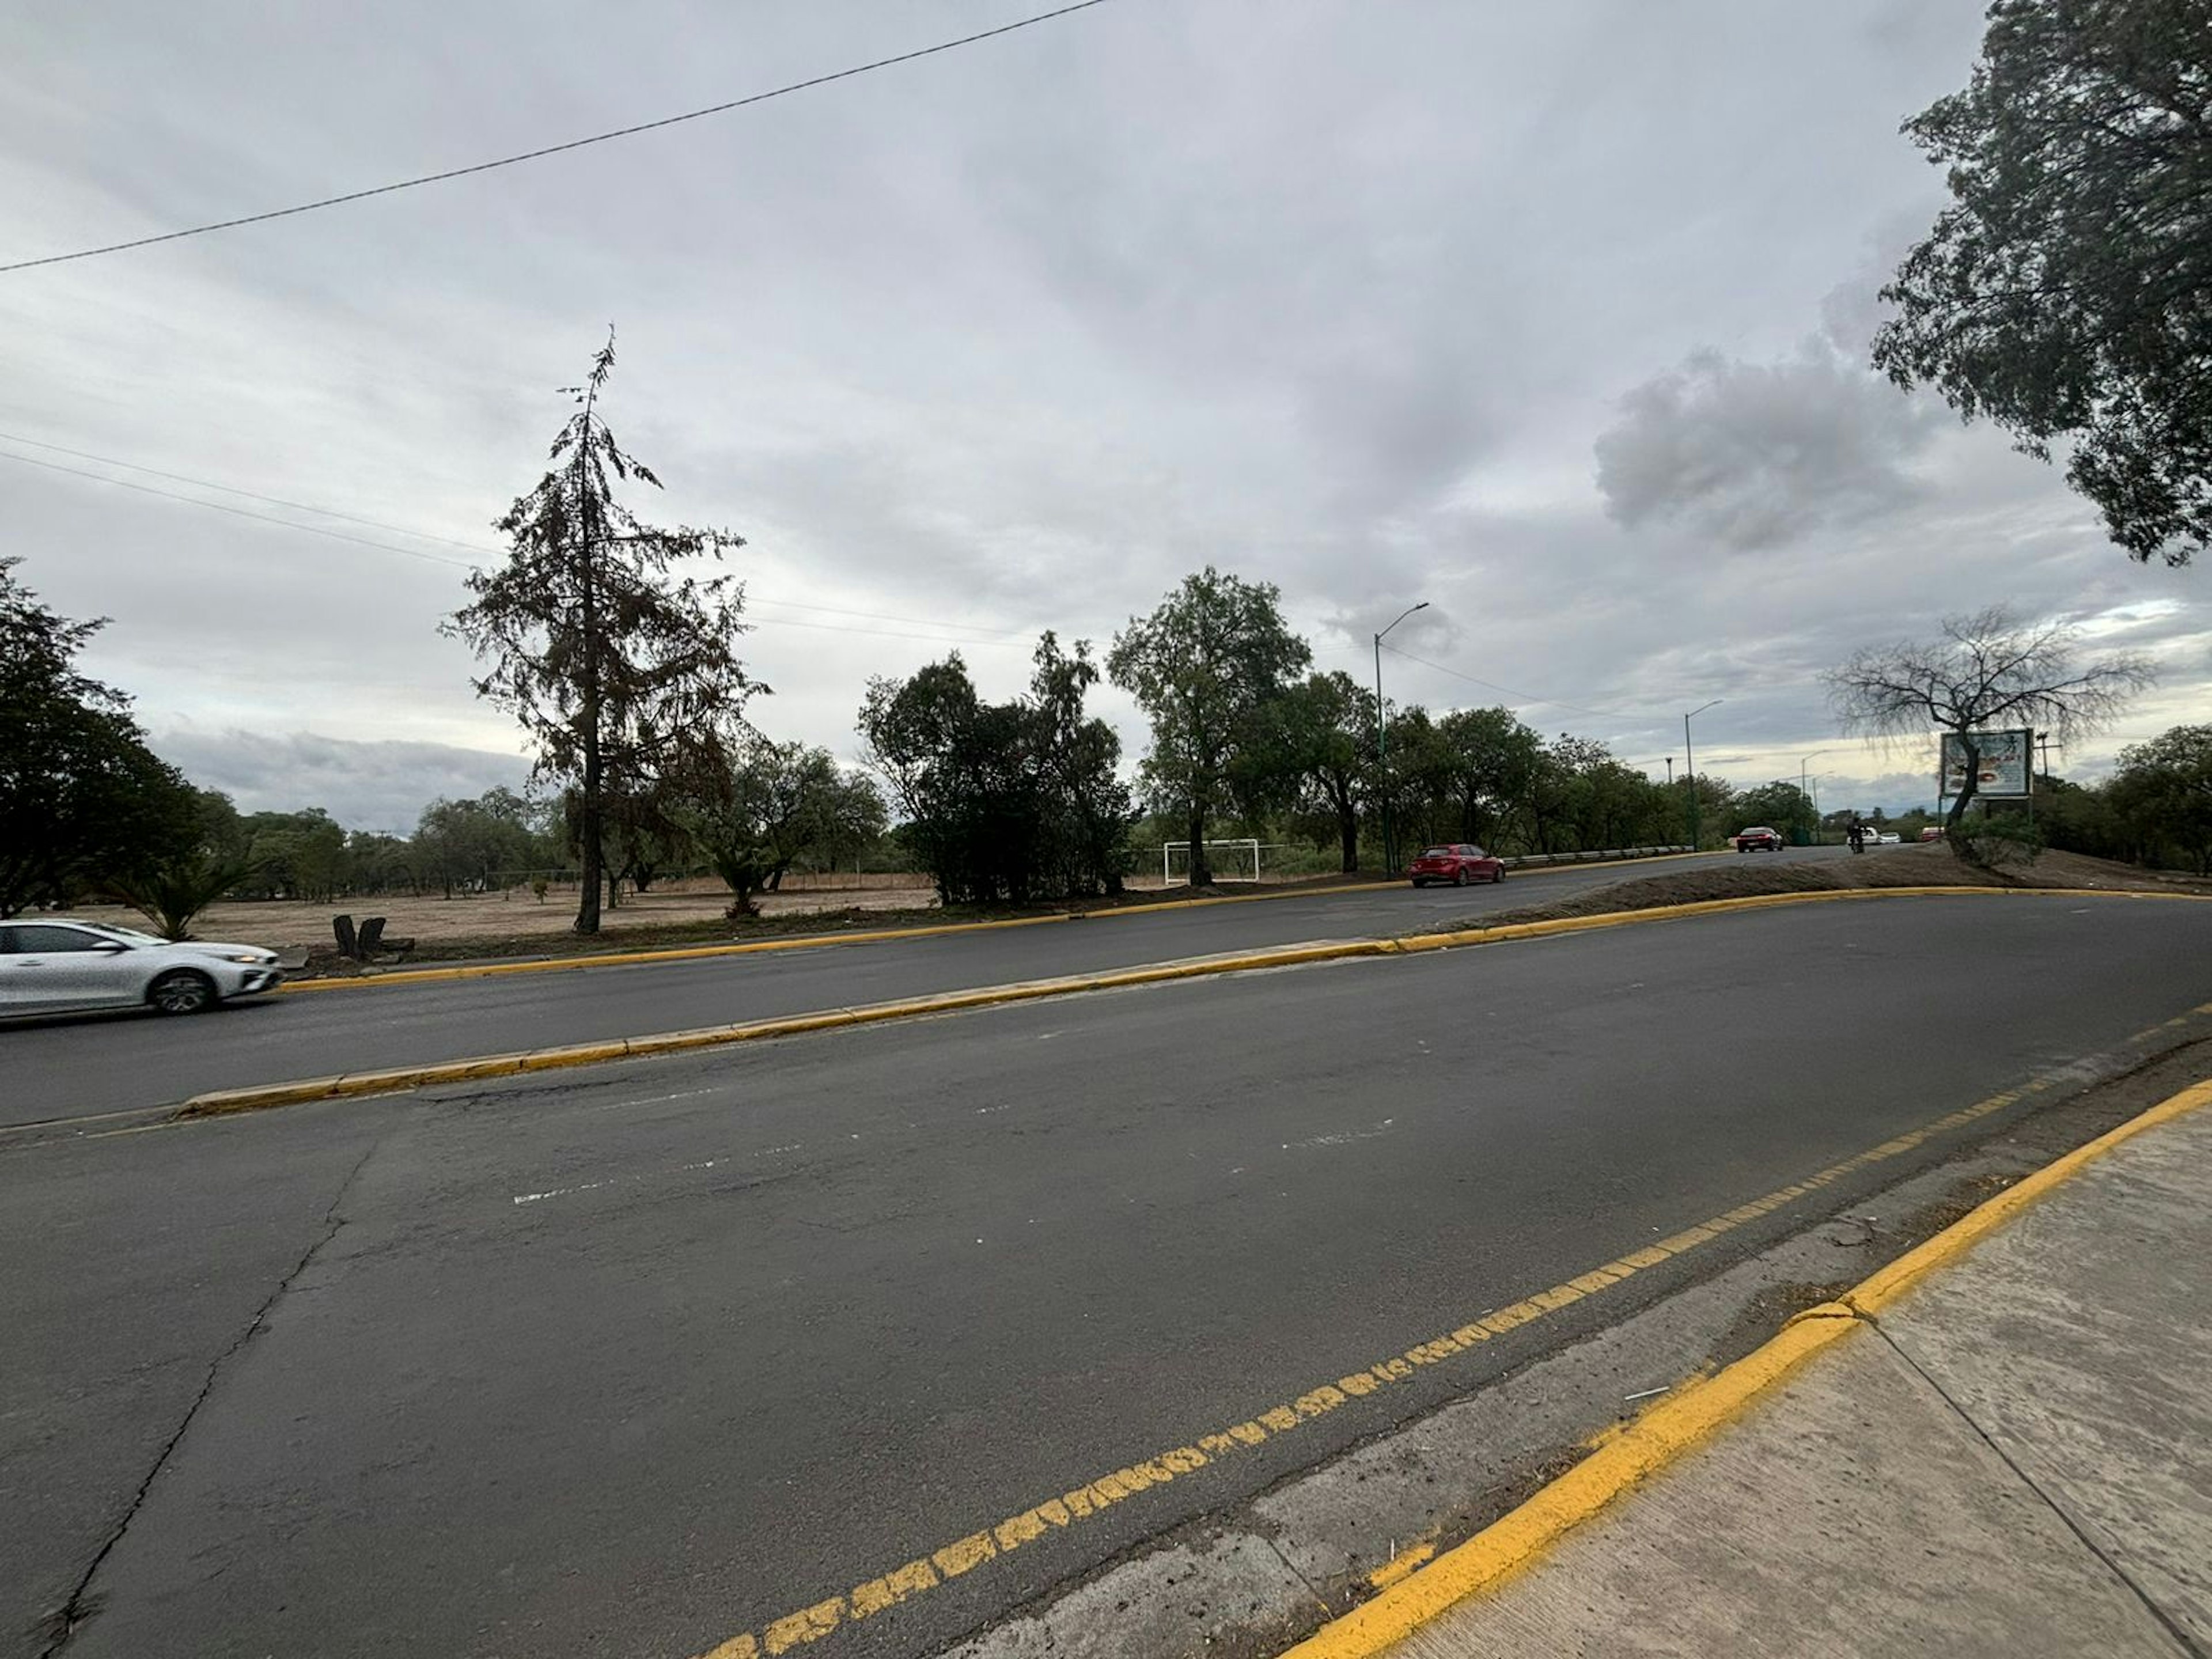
x,y
1231,861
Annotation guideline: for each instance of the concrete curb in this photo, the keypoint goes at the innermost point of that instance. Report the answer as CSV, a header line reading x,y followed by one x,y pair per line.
x,y
1689,1417
871,936
353,1085
221,1102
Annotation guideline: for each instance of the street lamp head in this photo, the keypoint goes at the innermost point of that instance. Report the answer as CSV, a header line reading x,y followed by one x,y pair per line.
x,y
1401,617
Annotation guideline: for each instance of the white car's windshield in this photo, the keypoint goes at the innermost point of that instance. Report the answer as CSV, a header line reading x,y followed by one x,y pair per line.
x,y
128,935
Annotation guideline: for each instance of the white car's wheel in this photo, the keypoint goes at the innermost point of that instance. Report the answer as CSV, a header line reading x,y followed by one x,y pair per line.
x,y
181,991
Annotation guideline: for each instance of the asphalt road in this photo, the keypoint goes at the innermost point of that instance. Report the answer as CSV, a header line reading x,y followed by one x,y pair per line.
x,y
87,1068
631,1359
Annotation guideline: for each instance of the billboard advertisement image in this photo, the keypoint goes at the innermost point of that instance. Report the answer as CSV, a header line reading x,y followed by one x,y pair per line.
x,y
2004,769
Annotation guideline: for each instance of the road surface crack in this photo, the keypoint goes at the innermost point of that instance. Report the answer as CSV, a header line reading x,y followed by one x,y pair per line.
x,y
81,1604
2182,1638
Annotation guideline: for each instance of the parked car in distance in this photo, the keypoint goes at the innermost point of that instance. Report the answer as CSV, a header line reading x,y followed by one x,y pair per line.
x,y
1887,838
1932,832
64,967
1757,839
1458,863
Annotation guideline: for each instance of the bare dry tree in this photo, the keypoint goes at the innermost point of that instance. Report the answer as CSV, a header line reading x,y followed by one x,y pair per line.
x,y
1989,671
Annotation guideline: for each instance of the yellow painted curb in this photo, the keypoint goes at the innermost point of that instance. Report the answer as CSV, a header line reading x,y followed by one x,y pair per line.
x,y
880,935
355,1083
1653,1441
1685,1420
1757,902
1882,1290
352,1085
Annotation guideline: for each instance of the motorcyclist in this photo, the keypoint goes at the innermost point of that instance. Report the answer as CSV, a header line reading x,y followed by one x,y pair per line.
x,y
1858,835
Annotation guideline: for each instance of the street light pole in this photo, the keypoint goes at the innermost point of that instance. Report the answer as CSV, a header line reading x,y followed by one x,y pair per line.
x,y
1382,743
1690,765
1802,790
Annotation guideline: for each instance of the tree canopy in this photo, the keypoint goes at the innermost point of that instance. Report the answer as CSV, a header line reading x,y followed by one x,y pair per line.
x,y
1203,667
83,799
1003,801
2163,788
2066,292
755,808
613,665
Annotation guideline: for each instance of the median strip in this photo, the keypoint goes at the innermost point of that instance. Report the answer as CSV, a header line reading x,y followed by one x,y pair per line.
x,y
873,936
392,1081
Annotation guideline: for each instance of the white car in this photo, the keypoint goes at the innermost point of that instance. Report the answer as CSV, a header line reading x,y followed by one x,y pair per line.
x,y
70,967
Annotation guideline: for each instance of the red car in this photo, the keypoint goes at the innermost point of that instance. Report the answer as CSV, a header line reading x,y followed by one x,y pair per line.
x,y
1458,863
1757,839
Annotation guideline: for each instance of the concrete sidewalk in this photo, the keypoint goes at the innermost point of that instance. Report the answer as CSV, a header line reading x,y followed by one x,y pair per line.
x,y
2013,1459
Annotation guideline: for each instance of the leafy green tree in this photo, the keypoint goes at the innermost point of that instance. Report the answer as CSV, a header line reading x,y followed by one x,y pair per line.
x,y
296,855
1084,811
1779,805
1203,667
83,799
474,842
1013,801
615,669
2163,791
1989,672
2066,292
377,863
1313,755
1491,765
755,808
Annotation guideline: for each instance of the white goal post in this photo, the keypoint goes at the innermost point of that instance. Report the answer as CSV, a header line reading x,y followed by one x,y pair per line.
x,y
1231,860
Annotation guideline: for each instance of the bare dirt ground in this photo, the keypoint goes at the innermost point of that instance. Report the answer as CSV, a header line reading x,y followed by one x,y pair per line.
x,y
282,925
1926,865
516,923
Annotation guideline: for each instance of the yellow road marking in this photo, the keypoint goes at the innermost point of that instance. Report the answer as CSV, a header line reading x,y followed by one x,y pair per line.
x,y
1400,1565
810,1623
1690,1416
387,1082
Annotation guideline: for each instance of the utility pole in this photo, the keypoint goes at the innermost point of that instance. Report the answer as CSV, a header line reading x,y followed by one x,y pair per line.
x,y
1690,765
1382,744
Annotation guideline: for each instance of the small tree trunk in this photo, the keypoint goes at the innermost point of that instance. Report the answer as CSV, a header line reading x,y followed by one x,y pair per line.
x,y
1201,874
1966,797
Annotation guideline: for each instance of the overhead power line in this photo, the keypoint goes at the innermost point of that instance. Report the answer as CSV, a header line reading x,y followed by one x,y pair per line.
x,y
232,489
556,149
975,633
238,512
1525,698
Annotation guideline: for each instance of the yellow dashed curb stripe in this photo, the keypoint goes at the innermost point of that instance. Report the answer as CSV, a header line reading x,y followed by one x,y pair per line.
x,y
1681,1423
1417,1592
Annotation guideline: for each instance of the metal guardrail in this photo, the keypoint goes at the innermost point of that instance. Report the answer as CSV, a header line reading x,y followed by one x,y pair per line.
x,y
1592,856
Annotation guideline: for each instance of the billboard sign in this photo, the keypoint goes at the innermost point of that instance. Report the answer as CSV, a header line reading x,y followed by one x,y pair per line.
x,y
2004,773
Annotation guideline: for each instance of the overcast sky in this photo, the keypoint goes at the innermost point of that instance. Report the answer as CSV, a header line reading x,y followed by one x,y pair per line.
x,y
1554,317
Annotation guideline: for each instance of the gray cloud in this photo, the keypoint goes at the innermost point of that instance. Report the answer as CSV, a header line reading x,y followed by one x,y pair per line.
x,y
1756,455
364,785
1332,295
